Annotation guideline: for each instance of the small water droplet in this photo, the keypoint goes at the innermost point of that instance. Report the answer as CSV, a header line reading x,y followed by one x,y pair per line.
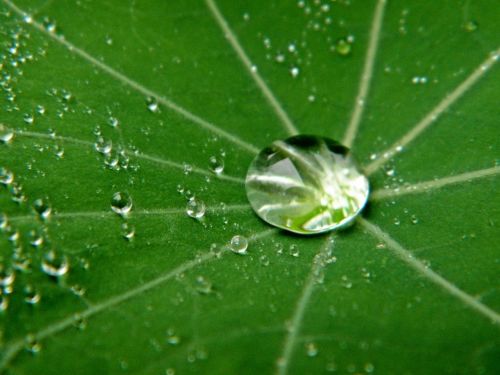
x,y
239,244
311,349
294,71
49,25
343,47
414,219
54,264
6,176
216,164
31,295
471,26
113,122
42,208
152,105
264,260
6,134
294,251
103,146
172,337
195,208
128,231
346,283
28,118
397,221
203,285
31,344
7,277
121,203
369,368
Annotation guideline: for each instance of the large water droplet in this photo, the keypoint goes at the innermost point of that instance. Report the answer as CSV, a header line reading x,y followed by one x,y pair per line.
x,y
306,184
121,203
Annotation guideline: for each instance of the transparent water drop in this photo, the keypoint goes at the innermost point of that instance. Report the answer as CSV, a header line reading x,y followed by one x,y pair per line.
x,y
49,25
471,26
4,302
294,71
6,176
79,321
203,285
29,118
294,251
31,344
264,260
54,264
239,244
195,208
128,231
397,221
369,367
42,208
31,295
78,290
113,121
40,109
7,277
152,104
121,203
216,164
414,219
306,184
103,146
346,283
311,349
6,134
172,337
343,47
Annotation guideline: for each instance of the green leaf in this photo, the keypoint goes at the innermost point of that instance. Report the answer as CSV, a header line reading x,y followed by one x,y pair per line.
x,y
411,287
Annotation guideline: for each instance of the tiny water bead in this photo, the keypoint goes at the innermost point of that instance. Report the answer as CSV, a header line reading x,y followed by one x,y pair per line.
x,y
239,244
306,184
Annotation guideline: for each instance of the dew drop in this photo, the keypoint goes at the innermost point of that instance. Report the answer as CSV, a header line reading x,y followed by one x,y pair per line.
x,y
6,134
471,26
216,164
28,118
31,295
306,184
239,244
103,146
42,208
4,302
31,344
6,176
195,208
203,285
55,265
264,260
7,277
294,251
113,122
121,203
152,104
128,231
172,338
294,71
343,47
311,349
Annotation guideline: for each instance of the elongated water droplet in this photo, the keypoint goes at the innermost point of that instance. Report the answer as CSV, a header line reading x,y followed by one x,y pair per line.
x,y
306,184
239,244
